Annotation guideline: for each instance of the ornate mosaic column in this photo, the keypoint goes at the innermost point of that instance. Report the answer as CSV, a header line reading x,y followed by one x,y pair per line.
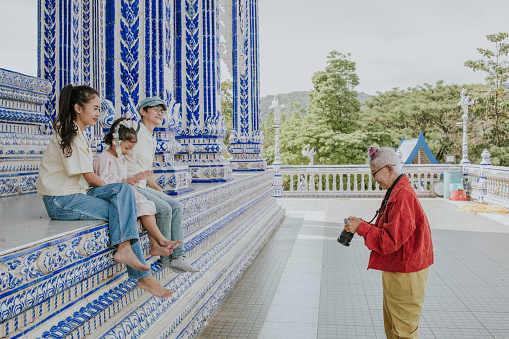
x,y
140,63
24,132
72,50
198,89
71,46
158,80
246,137
124,49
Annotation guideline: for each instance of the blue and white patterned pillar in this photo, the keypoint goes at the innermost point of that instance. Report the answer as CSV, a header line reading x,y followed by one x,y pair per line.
x,y
124,49
71,50
140,49
198,89
173,176
123,61
71,45
246,137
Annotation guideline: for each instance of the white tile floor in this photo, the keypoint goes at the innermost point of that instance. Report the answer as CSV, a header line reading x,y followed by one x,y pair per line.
x,y
320,289
294,309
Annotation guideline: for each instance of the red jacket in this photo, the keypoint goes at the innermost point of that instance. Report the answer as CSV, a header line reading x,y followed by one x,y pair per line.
x,y
400,240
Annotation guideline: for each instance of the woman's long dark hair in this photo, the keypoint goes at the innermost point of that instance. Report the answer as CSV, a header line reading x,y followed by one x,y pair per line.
x,y
124,133
64,124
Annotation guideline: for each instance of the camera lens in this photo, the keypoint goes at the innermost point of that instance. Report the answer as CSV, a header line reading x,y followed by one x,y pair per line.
x,y
345,238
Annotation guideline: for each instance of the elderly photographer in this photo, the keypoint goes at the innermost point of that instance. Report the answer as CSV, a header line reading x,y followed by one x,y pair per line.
x,y
400,244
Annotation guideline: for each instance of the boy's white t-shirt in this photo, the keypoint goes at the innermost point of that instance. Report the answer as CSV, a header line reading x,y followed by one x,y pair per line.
x,y
142,155
60,175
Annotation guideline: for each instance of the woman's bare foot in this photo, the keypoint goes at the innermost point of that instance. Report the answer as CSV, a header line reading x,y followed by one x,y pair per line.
x,y
157,250
125,255
171,245
150,284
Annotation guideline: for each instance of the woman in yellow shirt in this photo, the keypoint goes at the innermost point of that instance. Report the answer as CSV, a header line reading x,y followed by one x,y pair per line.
x,y
72,191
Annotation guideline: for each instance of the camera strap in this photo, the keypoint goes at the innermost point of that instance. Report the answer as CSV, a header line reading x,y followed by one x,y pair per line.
x,y
386,198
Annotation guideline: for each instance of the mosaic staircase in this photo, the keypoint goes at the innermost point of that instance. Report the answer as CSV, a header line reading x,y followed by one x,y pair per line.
x,y
71,287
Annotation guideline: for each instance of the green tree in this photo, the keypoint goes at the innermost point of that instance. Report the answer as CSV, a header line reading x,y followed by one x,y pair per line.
x,y
331,126
333,98
431,109
332,148
493,99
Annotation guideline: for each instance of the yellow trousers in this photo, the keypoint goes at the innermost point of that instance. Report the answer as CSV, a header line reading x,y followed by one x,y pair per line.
x,y
403,298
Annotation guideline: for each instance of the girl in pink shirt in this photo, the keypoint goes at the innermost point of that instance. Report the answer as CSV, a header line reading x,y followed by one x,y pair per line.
x,y
111,167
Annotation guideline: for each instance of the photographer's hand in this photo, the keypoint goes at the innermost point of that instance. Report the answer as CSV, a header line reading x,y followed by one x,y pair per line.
x,y
353,224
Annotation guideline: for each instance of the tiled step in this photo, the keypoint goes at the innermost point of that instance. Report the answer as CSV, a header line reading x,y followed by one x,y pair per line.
x,y
72,287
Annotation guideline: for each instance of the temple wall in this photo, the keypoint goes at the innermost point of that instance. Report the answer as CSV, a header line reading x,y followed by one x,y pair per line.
x,y
23,131
68,285
71,286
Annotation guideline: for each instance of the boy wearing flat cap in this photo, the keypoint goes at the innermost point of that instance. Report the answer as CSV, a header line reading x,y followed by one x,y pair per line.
x,y
168,210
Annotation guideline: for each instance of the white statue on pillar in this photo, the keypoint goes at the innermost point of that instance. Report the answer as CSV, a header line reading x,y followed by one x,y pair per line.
x,y
278,178
464,103
309,153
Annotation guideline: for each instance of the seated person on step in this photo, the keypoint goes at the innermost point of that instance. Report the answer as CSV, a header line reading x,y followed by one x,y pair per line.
x,y
111,168
72,191
168,210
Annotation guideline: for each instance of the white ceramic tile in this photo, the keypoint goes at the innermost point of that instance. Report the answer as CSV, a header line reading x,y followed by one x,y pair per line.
x,y
290,299
293,314
302,287
275,330
305,260
299,267
301,276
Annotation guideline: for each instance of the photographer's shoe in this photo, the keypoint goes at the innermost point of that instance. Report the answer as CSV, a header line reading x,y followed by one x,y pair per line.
x,y
179,265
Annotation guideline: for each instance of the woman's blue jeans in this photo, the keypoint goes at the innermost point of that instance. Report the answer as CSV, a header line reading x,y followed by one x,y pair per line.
x,y
114,203
168,217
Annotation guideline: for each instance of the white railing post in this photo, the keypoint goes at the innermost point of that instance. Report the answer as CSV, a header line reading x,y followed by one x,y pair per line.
x,y
483,182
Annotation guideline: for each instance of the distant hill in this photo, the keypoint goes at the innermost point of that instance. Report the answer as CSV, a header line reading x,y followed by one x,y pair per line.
x,y
292,98
361,96
288,100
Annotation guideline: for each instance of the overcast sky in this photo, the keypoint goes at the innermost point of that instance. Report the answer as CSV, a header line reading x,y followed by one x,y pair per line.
x,y
395,43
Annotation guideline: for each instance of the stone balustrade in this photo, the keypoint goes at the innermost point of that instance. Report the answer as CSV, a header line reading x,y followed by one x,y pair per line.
x,y
354,180
496,181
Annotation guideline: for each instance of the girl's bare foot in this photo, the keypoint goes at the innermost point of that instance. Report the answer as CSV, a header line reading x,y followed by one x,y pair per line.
x,y
171,245
160,251
150,284
125,255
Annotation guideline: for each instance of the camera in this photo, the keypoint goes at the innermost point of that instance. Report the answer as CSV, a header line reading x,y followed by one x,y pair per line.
x,y
345,237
